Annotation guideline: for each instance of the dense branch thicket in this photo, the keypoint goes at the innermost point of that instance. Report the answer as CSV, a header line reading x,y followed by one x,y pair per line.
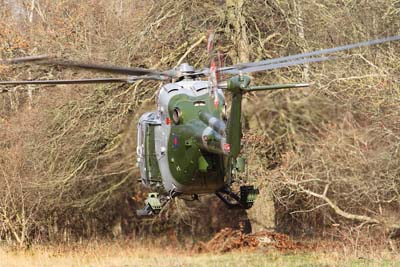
x,y
329,155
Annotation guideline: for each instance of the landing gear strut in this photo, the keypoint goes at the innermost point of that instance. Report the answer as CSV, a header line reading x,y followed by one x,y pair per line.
x,y
154,203
244,200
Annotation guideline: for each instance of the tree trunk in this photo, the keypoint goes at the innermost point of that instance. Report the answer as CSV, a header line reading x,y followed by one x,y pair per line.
x,y
299,22
236,28
262,215
31,11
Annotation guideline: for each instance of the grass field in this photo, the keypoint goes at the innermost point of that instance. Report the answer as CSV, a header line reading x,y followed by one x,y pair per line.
x,y
116,255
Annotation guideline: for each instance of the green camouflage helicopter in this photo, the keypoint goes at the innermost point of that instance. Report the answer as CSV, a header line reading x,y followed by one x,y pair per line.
x,y
190,146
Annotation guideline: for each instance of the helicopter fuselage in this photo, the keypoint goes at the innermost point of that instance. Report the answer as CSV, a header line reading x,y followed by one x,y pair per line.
x,y
182,146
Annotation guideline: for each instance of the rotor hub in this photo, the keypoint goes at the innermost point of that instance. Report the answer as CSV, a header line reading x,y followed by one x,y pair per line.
x,y
186,70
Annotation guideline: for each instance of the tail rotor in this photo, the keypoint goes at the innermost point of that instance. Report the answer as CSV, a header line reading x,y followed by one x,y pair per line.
x,y
213,76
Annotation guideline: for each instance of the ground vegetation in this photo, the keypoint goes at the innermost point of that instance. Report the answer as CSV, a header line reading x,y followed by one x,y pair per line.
x,y
327,158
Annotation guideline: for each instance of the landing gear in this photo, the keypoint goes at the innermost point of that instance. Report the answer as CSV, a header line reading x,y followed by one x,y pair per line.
x,y
155,202
244,200
152,206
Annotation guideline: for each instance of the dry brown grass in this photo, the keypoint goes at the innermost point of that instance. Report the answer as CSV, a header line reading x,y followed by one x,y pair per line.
x,y
132,254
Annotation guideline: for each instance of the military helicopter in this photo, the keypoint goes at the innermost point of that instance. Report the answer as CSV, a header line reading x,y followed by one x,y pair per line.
x,y
190,146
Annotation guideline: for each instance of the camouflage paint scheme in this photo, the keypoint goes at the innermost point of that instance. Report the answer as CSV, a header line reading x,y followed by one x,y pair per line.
x,y
194,162
191,154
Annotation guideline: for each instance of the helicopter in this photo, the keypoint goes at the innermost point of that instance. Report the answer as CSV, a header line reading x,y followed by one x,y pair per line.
x,y
190,145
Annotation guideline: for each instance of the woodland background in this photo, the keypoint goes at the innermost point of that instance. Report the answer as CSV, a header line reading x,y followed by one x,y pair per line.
x,y
327,158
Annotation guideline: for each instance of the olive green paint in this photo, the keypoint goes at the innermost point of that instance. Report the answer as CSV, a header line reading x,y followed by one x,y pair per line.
x,y
202,148
234,126
190,164
152,168
203,164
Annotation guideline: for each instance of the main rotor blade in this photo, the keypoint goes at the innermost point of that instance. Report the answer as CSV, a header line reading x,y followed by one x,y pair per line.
x,y
24,59
277,65
307,54
108,68
46,60
79,81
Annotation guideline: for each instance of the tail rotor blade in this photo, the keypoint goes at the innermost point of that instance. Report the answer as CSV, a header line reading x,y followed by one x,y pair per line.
x,y
210,42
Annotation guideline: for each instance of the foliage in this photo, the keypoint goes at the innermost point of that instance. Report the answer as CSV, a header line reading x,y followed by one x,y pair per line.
x,y
327,154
